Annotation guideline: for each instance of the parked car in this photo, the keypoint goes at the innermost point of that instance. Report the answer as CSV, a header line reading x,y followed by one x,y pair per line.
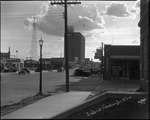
x,y
87,72
60,69
80,72
26,69
94,71
10,70
6,70
21,72
37,70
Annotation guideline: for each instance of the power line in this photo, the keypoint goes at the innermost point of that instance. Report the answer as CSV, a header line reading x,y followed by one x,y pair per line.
x,y
79,20
16,17
54,8
112,40
58,13
23,14
20,35
25,17
28,14
19,2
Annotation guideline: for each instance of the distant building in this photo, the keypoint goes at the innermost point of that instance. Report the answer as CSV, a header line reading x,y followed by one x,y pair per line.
x,y
121,62
76,45
98,53
5,56
14,63
31,64
144,44
57,62
46,63
7,62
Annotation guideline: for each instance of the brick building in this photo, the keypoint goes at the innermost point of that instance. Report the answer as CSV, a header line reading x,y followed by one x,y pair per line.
x,y
76,45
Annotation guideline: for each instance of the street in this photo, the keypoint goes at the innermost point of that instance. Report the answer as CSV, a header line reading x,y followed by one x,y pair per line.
x,y
16,87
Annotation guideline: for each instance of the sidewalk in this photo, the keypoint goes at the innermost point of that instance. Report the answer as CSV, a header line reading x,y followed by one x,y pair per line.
x,y
79,92
49,106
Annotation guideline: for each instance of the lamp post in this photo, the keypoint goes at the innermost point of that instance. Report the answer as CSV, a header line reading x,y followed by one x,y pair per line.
x,y
16,53
40,84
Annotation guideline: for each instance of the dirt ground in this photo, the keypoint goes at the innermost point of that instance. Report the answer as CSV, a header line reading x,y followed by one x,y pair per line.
x,y
27,101
11,108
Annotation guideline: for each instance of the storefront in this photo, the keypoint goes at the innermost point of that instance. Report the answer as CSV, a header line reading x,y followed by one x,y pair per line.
x,y
121,62
125,68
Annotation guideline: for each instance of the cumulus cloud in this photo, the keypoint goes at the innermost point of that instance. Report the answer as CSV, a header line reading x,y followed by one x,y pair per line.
x,y
121,10
117,10
49,21
137,4
135,42
136,7
91,13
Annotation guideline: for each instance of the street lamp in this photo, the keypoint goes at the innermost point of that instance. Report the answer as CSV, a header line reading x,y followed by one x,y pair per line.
x,y
16,53
40,84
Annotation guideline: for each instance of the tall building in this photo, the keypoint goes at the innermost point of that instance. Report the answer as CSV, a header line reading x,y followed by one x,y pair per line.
x,y
76,45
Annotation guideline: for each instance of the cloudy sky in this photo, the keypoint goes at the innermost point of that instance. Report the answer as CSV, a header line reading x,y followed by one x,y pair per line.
x,y
110,22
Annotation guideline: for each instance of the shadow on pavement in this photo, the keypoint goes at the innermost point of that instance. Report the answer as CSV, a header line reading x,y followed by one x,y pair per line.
x,y
85,84
94,83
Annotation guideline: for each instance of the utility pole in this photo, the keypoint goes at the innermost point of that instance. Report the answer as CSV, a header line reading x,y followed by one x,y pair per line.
x,y
65,3
102,62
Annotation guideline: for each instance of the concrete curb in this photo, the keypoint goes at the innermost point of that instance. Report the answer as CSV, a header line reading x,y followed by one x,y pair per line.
x,y
103,96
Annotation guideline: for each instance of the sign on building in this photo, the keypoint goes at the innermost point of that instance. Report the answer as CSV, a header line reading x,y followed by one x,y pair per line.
x,y
99,51
76,59
98,54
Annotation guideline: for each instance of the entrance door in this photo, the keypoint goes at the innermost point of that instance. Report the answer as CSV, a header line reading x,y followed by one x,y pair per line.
x,y
134,70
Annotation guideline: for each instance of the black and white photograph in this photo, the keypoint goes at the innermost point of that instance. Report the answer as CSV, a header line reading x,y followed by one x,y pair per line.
x,y
75,59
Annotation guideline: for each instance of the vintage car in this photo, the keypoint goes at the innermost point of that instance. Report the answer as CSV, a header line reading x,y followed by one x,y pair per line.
x,y
21,72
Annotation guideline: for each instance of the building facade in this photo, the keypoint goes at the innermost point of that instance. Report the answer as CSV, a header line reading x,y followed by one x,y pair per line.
x,y
121,62
57,63
144,43
8,63
4,57
15,63
76,46
31,64
46,63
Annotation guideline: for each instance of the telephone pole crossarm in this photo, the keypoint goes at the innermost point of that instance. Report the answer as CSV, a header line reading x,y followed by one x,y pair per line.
x,y
63,2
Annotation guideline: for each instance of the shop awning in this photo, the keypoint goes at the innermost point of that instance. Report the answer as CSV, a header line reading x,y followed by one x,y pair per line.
x,y
124,57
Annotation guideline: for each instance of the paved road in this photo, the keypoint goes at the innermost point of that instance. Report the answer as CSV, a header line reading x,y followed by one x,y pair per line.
x,y
15,87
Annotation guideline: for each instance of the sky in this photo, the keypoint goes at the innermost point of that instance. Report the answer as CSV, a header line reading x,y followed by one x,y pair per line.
x,y
110,22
